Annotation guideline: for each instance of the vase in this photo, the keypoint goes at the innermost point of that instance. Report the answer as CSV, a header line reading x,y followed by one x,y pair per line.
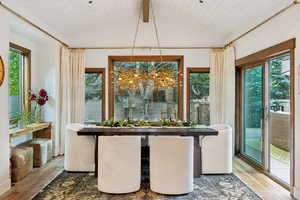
x,y
21,124
38,114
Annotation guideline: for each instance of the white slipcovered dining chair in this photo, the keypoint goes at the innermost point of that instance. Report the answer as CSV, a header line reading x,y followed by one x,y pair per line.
x,y
79,150
119,164
171,164
217,151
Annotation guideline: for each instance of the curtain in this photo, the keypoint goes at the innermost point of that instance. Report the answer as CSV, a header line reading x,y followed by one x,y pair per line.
x,y
222,86
70,106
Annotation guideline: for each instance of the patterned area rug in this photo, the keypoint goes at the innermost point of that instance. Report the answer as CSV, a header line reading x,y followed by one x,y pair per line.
x,y
83,186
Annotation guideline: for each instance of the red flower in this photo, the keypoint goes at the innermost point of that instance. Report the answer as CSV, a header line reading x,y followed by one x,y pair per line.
x,y
32,97
41,101
43,93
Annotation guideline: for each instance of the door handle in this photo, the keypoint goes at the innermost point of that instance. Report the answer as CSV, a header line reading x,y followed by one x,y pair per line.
x,y
266,113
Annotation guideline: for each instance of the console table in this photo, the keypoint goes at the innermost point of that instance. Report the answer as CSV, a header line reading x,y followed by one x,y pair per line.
x,y
35,128
153,131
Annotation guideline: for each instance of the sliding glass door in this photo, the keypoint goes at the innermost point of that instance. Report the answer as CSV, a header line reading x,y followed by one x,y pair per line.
x,y
266,119
279,117
253,113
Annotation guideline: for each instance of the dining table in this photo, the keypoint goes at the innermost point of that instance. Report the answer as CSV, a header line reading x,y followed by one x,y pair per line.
x,y
197,133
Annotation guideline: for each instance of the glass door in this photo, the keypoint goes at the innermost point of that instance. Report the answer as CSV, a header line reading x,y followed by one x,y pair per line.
x,y
267,116
279,117
253,113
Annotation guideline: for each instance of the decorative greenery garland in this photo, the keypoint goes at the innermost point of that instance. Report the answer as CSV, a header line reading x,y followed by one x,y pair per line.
x,y
139,123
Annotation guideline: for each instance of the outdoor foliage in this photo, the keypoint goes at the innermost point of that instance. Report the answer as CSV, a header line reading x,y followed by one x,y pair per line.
x,y
14,73
199,85
280,83
279,90
93,86
253,97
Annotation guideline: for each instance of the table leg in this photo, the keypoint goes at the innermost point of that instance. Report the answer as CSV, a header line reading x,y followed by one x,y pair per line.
x,y
197,158
96,157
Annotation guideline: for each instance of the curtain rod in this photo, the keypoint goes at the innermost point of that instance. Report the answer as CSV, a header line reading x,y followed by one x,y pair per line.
x,y
32,24
146,47
295,2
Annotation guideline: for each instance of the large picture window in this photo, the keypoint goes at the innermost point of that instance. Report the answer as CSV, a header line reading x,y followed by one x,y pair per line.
x,y
153,92
198,95
94,95
19,82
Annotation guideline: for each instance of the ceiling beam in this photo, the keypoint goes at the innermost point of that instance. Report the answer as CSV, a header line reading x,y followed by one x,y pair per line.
x,y
150,47
294,3
32,24
146,10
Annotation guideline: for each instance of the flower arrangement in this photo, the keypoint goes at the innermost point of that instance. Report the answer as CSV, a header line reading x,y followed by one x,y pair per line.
x,y
40,100
140,123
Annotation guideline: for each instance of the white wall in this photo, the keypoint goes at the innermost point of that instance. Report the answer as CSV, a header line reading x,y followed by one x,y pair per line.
x,y
45,67
279,29
4,139
45,75
192,58
44,70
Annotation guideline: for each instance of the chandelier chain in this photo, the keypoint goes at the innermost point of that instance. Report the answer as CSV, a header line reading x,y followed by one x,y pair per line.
x,y
135,34
156,30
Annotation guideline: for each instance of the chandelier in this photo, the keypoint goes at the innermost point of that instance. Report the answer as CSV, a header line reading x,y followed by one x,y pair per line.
x,y
163,77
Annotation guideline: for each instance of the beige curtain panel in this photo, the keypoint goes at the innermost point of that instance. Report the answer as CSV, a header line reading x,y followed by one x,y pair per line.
x,y
70,106
222,86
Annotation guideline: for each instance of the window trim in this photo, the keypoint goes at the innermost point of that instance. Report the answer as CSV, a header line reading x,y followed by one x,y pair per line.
x,y
190,70
112,59
26,78
100,71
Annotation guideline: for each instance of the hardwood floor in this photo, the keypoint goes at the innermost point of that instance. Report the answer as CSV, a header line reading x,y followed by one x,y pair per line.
x,y
259,183
33,183
39,178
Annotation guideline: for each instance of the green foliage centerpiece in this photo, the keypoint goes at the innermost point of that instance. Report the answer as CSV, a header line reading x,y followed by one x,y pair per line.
x,y
145,123
24,119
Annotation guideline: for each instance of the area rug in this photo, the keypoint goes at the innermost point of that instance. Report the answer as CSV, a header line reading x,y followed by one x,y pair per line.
x,y
83,186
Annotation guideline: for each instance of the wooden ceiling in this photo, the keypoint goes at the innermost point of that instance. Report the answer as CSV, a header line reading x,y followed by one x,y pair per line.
x,y
112,22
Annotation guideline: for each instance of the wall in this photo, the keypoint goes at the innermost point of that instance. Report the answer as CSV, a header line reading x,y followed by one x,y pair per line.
x,y
4,140
45,75
45,67
192,58
279,29
44,70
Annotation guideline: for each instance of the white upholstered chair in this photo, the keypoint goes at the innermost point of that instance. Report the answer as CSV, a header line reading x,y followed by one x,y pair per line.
x,y
171,164
217,151
79,150
119,164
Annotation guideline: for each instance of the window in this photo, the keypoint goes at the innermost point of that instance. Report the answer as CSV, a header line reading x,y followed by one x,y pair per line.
x,y
94,95
19,82
147,101
197,95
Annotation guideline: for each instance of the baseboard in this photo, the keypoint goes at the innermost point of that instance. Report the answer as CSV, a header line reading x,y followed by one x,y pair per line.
x,y
5,186
297,193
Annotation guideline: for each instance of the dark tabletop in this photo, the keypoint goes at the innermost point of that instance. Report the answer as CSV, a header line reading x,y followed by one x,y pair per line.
x,y
180,131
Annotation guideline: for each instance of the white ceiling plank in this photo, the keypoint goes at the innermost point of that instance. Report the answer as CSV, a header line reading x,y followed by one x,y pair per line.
x,y
180,22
